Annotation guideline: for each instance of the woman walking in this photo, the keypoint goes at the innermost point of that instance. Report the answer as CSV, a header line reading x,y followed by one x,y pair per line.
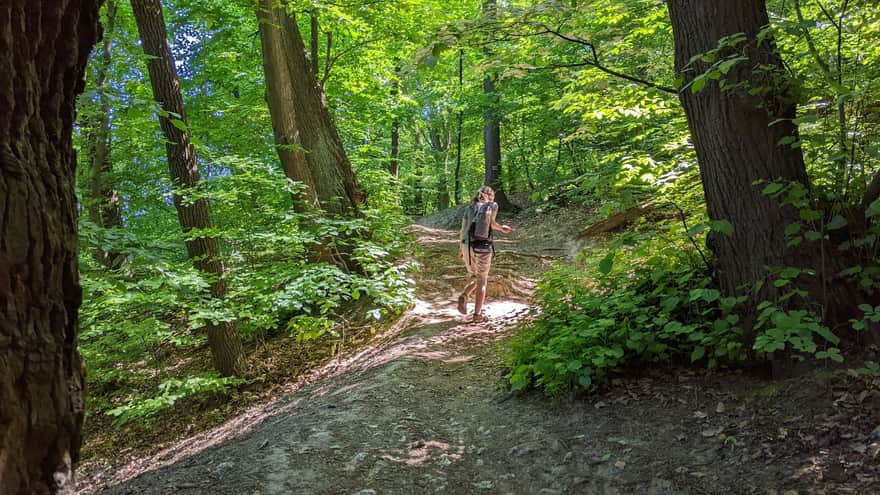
x,y
475,247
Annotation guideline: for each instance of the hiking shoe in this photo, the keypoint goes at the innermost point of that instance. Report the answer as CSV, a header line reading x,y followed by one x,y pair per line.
x,y
462,304
479,317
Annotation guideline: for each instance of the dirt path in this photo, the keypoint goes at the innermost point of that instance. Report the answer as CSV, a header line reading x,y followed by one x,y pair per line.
x,y
425,411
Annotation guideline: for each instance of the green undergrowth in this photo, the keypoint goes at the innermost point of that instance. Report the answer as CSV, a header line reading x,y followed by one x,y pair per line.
x,y
143,338
647,297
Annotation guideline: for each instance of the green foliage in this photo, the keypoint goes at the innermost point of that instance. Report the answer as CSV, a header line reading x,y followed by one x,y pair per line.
x,y
170,391
651,305
780,329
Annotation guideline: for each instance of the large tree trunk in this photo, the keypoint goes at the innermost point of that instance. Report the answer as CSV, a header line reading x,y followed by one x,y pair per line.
x,y
103,202
737,140
335,185
492,130
44,47
281,94
223,338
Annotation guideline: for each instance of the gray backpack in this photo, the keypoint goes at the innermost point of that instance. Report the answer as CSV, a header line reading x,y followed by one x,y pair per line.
x,y
480,230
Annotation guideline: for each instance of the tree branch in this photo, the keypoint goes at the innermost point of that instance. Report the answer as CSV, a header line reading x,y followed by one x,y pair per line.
x,y
614,73
827,14
595,63
810,45
331,61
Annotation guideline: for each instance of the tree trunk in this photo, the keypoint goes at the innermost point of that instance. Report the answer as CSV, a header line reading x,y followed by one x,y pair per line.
x,y
736,136
44,47
440,140
335,185
418,204
458,133
735,141
394,163
492,130
281,95
104,209
194,215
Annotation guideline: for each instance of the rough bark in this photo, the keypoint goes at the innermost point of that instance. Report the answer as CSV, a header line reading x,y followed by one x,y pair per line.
x,y
734,141
736,136
335,185
44,47
194,214
103,202
281,95
492,131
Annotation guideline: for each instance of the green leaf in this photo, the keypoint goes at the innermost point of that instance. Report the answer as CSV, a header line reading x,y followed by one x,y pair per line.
x,y
722,226
772,188
605,264
698,83
826,334
697,229
836,222
698,354
812,235
179,124
585,381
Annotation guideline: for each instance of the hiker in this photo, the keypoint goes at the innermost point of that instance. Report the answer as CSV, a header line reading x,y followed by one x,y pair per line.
x,y
475,247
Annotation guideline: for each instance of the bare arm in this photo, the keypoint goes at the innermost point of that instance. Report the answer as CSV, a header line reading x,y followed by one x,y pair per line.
x,y
502,227
461,234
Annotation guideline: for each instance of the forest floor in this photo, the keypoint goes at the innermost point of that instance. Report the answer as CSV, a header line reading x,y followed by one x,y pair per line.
x,y
423,408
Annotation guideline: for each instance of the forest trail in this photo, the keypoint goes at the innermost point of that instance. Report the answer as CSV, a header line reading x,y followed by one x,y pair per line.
x,y
425,410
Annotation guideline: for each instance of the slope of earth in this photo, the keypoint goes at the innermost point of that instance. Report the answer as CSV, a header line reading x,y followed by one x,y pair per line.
x,y
425,410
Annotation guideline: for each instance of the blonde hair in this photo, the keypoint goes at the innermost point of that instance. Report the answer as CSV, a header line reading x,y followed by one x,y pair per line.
x,y
485,190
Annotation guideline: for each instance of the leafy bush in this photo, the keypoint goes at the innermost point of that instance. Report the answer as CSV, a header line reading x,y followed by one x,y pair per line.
x,y
597,320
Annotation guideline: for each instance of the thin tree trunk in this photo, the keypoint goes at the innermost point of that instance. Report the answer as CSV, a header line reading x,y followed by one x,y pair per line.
x,y
458,133
418,177
492,129
440,144
444,178
394,163
104,209
44,47
194,214
314,32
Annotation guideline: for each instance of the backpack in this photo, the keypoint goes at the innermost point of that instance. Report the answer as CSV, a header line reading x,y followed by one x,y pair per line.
x,y
480,230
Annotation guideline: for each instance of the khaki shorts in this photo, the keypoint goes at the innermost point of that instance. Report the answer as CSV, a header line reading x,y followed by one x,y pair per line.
x,y
478,265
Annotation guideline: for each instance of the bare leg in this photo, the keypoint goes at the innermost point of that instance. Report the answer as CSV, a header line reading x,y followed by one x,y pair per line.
x,y
481,293
469,288
465,295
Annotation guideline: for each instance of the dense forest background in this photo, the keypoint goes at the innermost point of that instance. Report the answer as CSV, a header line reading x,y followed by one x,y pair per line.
x,y
251,179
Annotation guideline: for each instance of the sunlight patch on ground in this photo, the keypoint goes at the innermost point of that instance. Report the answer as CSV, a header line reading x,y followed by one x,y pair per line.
x,y
497,309
422,452
459,359
445,309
